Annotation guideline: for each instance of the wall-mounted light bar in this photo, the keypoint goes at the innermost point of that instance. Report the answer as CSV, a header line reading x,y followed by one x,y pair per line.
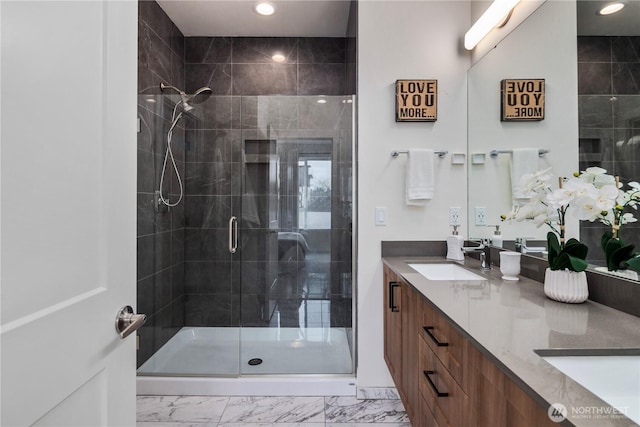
x,y
493,16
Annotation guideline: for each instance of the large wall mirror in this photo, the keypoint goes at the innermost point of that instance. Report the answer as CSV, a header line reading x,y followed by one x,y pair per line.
x,y
591,68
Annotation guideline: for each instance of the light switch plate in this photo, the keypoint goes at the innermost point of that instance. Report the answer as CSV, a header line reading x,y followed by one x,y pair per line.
x,y
381,216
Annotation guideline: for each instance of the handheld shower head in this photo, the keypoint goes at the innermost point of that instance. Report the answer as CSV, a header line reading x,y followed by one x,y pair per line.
x,y
187,100
200,95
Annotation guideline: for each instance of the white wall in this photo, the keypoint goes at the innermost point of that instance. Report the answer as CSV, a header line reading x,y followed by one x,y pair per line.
x,y
544,46
520,13
404,40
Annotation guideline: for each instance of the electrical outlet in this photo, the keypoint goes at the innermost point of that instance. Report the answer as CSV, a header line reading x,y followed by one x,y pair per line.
x,y
481,215
455,216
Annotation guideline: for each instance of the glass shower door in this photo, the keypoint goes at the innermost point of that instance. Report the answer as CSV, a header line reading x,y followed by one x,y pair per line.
x,y
294,213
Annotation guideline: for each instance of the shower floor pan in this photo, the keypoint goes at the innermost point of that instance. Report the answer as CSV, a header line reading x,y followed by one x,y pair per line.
x,y
227,352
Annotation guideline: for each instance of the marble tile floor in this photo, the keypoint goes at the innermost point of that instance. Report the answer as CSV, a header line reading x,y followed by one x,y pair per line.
x,y
259,411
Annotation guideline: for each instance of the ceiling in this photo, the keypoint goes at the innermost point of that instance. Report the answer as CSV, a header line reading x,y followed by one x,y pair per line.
x,y
329,18
293,18
624,23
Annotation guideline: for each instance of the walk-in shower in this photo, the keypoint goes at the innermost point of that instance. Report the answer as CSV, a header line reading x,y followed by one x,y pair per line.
x,y
281,302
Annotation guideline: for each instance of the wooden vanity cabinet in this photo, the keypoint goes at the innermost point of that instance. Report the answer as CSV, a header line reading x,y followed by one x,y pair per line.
x,y
400,345
442,378
498,401
445,341
393,325
447,401
442,368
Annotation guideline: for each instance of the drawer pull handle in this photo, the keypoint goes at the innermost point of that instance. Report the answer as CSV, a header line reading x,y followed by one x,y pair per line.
x,y
428,330
392,302
433,386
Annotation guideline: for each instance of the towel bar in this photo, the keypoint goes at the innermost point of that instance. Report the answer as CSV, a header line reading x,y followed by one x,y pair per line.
x,y
494,153
396,153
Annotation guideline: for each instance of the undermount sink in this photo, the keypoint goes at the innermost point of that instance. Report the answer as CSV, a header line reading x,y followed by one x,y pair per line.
x,y
444,271
611,374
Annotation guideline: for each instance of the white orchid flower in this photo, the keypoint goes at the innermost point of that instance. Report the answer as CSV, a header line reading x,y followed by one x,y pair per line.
x,y
594,171
541,220
608,196
627,218
573,188
597,176
587,208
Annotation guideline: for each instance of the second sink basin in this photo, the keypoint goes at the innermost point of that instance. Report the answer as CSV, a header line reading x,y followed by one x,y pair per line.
x,y
611,374
445,271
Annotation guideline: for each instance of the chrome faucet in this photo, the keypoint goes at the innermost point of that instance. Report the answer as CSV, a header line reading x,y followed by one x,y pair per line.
x,y
485,253
521,246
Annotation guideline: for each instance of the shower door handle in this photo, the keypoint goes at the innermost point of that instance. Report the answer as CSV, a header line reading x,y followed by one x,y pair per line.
x,y
233,234
127,322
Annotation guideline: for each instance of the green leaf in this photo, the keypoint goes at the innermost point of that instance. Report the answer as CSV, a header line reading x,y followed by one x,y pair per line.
x,y
553,247
634,263
578,264
572,256
616,252
606,236
576,249
564,261
619,257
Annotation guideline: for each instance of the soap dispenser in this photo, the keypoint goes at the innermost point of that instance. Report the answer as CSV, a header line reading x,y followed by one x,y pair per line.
x,y
496,240
455,242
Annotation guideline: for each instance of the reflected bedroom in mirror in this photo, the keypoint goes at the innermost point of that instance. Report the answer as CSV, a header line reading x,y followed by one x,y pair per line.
x,y
590,64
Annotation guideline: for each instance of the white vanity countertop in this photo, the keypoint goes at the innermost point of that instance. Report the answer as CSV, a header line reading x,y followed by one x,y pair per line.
x,y
508,320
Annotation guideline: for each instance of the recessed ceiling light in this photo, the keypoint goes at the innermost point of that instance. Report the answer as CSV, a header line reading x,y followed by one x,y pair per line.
x,y
321,101
264,8
278,57
612,8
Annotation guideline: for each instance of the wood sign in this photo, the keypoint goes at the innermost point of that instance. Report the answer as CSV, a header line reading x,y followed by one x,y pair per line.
x,y
522,100
416,100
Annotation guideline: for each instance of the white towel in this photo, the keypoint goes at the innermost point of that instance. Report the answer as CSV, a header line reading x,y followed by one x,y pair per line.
x,y
420,185
523,161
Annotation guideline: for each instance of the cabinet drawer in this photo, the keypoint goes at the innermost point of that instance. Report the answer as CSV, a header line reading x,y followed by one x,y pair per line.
x,y
446,342
445,398
426,417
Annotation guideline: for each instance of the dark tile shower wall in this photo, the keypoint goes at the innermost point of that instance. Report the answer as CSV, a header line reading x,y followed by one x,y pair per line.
x,y
243,65
217,294
185,273
609,119
351,50
160,236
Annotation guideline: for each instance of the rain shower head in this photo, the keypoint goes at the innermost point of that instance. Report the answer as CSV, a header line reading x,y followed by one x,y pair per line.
x,y
200,95
187,100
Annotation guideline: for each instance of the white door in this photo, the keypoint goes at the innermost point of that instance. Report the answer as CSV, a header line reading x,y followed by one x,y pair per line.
x,y
68,209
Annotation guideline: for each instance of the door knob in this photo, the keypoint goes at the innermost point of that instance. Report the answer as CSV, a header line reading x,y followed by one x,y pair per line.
x,y
128,322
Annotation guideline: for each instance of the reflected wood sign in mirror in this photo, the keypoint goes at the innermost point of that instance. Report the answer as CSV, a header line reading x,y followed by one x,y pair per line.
x,y
521,100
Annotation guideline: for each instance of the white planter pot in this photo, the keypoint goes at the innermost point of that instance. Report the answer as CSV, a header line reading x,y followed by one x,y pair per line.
x,y
566,286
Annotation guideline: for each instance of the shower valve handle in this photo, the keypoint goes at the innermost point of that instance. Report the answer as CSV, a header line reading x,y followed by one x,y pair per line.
x,y
127,322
